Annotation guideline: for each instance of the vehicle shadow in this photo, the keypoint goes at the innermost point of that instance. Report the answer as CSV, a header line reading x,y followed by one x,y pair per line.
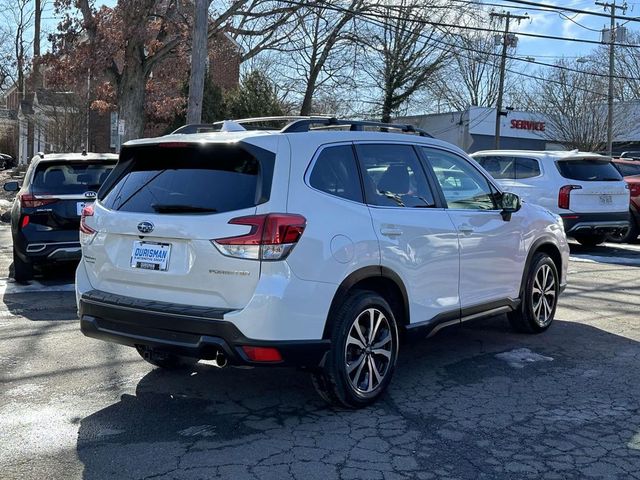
x,y
508,405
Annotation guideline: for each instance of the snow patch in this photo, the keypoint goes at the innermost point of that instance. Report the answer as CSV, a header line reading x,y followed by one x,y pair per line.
x,y
520,357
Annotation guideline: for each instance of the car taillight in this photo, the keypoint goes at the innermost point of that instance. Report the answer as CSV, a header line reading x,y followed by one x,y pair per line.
x,y
86,232
31,201
25,221
564,196
634,189
272,237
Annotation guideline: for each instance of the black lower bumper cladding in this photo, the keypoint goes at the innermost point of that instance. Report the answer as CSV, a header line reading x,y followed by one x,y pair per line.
x,y
595,223
199,332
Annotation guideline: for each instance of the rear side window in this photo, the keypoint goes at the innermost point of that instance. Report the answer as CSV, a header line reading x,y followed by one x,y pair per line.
x,y
65,177
393,176
527,168
587,169
498,166
190,179
335,172
628,170
510,168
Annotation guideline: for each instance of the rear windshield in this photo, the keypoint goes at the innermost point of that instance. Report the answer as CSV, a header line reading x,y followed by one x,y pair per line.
x,y
595,170
190,179
65,177
627,169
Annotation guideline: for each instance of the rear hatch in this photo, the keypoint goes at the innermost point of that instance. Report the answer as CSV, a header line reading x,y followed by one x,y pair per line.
x,y
598,187
158,214
59,191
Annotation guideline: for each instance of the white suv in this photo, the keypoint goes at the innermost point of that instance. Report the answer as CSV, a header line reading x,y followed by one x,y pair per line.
x,y
315,245
585,189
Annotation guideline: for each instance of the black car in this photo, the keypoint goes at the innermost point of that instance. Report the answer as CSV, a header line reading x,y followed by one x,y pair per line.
x,y
45,217
6,161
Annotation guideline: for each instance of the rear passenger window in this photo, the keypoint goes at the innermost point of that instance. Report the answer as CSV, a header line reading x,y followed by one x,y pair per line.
x,y
335,172
509,168
527,168
393,176
498,166
67,177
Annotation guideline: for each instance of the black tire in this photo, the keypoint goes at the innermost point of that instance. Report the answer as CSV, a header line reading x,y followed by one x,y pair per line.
x,y
333,382
631,235
591,240
22,271
167,361
527,318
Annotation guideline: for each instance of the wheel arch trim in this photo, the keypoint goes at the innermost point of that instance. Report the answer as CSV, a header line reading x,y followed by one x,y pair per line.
x,y
357,276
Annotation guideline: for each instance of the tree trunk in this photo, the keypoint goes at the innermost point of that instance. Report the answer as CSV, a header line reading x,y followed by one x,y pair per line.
x,y
131,96
37,76
198,62
387,107
307,101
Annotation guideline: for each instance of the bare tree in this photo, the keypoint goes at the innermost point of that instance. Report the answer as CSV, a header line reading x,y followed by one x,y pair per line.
x,y
17,17
321,50
472,77
403,49
574,106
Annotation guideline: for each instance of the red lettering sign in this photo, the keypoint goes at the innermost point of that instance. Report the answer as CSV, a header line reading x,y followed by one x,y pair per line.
x,y
528,125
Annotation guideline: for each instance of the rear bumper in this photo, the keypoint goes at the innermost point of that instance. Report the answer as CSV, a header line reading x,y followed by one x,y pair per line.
x,y
198,332
595,223
50,252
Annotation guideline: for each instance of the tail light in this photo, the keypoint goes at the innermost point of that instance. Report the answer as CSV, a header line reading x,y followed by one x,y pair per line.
x,y
31,201
272,237
564,196
25,221
86,232
634,189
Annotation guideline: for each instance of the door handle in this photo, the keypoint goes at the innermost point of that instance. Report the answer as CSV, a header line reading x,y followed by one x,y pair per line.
x,y
391,232
465,230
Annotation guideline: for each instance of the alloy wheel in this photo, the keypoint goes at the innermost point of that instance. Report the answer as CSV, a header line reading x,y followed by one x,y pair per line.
x,y
369,351
544,295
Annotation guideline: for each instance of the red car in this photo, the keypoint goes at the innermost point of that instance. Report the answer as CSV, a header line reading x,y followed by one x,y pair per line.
x,y
630,170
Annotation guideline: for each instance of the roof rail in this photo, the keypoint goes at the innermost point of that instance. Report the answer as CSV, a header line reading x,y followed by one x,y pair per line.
x,y
305,124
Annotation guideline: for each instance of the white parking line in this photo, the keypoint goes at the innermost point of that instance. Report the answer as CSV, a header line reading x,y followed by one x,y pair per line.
x,y
8,286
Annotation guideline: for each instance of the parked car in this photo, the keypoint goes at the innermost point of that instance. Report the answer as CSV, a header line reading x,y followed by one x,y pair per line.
x,y
45,215
632,155
6,161
585,189
314,245
630,170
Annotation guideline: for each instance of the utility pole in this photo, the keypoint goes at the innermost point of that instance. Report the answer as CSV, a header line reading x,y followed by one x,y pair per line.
x,y
503,64
612,7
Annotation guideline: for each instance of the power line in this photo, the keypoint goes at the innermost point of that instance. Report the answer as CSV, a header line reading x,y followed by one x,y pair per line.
x,y
569,9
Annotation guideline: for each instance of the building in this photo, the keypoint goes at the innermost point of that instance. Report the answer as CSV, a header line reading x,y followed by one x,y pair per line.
x,y
45,120
474,129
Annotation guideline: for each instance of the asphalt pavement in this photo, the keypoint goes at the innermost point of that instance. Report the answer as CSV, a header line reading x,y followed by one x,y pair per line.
x,y
473,402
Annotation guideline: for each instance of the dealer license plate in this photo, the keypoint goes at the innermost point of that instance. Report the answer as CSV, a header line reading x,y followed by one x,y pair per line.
x,y
606,199
150,255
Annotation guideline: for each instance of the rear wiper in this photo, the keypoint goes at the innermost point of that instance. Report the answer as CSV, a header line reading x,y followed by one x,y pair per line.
x,y
177,208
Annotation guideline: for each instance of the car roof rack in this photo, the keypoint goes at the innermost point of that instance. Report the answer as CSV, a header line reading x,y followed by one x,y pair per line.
x,y
297,124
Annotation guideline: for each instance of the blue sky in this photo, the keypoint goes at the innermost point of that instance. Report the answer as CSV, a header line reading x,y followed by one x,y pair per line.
x,y
552,23
547,22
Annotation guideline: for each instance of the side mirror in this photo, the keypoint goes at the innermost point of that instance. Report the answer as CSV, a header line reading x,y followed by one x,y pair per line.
x,y
510,203
12,186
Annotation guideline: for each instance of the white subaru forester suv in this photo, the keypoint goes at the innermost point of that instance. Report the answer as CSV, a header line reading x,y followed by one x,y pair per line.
x,y
316,245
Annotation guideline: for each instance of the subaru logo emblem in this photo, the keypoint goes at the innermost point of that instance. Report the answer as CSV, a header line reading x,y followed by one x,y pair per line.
x,y
145,227
90,194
